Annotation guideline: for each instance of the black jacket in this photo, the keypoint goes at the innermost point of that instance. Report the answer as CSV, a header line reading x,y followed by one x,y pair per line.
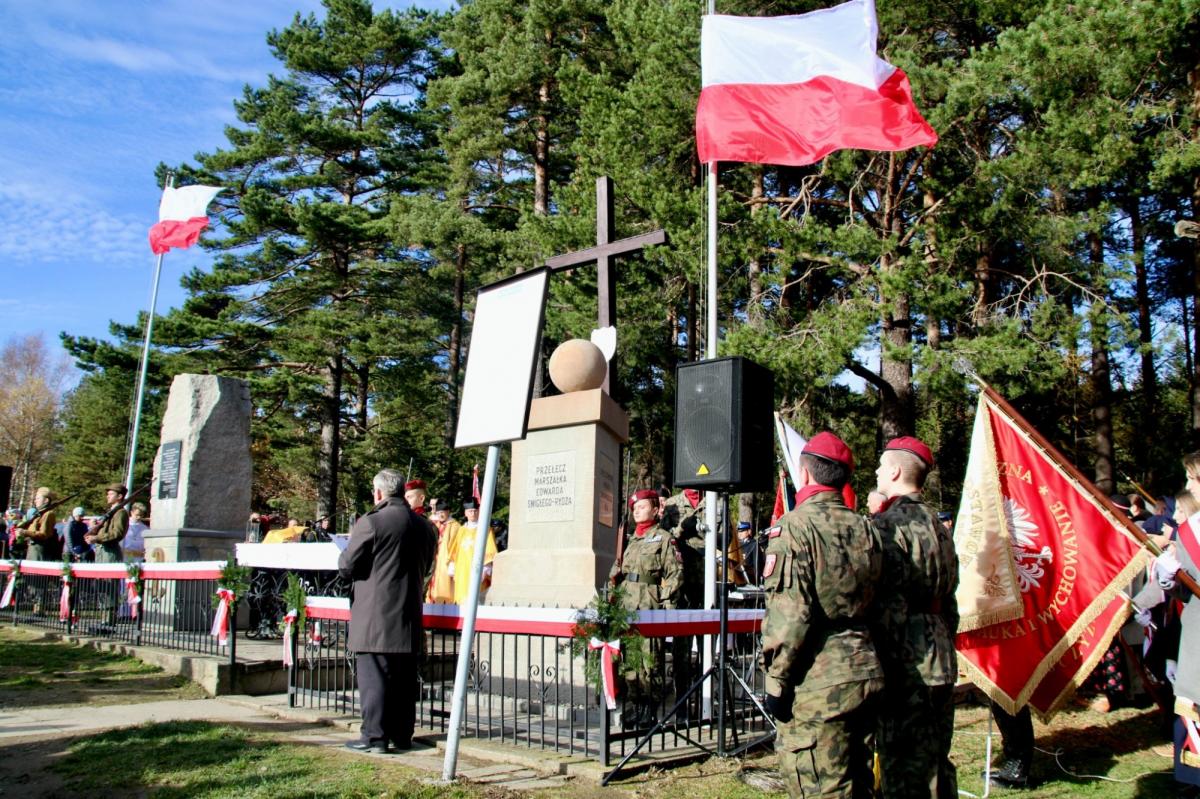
x,y
390,553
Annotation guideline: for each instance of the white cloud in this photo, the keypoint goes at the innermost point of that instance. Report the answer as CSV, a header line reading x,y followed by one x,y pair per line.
x,y
41,228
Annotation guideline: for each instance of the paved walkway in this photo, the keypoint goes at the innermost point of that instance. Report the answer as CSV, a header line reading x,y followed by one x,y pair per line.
x,y
477,761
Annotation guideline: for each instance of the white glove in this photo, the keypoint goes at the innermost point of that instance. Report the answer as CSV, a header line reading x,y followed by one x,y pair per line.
x,y
1142,617
1166,566
1171,668
487,571
450,569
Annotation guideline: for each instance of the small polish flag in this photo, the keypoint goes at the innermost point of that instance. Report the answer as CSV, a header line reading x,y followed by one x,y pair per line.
x,y
182,214
792,89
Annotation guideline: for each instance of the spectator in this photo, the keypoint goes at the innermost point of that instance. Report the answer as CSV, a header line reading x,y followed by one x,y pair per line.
x,y
77,528
135,545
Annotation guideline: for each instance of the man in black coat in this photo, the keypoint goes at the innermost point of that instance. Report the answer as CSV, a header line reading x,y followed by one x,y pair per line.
x,y
388,561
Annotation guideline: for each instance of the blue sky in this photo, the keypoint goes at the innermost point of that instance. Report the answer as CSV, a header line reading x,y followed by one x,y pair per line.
x,y
93,95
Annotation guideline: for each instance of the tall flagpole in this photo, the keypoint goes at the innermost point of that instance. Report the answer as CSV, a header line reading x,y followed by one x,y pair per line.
x,y
710,497
141,389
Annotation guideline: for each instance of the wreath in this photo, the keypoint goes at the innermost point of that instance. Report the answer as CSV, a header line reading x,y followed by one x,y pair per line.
x,y
234,578
295,598
68,575
604,620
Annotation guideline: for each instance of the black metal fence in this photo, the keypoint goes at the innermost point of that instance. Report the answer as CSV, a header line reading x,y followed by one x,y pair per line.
x,y
526,688
174,608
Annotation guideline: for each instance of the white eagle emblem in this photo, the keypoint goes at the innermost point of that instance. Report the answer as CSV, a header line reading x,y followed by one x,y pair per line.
x,y
1030,562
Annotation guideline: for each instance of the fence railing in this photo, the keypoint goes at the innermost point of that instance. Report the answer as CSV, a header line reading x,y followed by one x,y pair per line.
x,y
174,608
527,688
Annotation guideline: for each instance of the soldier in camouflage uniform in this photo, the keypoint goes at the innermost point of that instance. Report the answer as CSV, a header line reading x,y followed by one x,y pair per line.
x,y
915,630
823,675
651,572
683,515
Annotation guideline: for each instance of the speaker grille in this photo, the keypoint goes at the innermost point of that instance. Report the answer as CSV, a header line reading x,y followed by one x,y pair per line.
x,y
717,403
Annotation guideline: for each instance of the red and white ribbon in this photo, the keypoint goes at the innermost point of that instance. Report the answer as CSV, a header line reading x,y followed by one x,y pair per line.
x,y
289,621
609,651
9,587
132,595
220,627
64,600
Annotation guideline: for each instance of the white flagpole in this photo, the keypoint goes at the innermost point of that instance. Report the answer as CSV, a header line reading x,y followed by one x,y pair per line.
x,y
710,497
141,389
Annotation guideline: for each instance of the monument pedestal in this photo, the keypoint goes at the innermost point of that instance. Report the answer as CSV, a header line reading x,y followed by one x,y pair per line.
x,y
564,507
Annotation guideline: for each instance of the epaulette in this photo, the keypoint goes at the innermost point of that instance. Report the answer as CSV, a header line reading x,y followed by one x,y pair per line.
x,y
775,532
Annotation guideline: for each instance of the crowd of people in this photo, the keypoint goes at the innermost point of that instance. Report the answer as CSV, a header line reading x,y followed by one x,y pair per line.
x,y
114,536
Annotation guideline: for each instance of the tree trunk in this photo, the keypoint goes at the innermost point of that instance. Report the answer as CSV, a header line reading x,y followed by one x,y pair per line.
x,y
1194,82
328,465
541,154
1105,465
455,354
1149,387
754,308
692,325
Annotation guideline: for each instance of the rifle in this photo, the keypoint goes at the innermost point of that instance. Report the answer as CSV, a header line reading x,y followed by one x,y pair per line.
x,y
24,525
103,520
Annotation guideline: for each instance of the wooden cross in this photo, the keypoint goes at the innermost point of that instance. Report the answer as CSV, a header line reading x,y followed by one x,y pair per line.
x,y
603,255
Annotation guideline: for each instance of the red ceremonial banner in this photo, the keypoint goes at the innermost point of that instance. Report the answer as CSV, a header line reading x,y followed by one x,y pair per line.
x,y
1072,558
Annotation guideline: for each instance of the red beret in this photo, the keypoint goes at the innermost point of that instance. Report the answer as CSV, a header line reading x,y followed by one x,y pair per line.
x,y
827,445
913,445
646,493
411,484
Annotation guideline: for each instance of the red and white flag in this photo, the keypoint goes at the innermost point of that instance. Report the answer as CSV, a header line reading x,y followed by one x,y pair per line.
x,y
182,214
1032,530
792,89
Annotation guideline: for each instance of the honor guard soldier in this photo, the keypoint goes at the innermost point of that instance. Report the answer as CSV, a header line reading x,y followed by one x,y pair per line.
x,y
651,573
823,676
39,532
917,622
106,536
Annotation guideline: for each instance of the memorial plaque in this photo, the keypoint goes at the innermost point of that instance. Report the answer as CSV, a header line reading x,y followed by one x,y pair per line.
x,y
606,488
168,480
550,494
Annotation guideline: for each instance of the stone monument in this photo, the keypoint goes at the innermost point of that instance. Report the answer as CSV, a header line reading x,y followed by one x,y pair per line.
x,y
564,505
200,498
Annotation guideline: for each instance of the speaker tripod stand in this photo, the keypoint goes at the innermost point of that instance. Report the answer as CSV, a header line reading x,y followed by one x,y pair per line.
x,y
721,673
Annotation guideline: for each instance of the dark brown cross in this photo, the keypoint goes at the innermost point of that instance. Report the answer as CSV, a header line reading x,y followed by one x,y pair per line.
x,y
603,255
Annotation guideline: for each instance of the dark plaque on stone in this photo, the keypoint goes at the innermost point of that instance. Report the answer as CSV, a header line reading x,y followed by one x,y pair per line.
x,y
168,481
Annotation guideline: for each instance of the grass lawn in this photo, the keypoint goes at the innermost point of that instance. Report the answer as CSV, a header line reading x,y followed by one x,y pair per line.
x,y
201,759
37,671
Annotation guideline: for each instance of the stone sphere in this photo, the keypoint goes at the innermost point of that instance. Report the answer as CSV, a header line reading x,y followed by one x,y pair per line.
x,y
577,365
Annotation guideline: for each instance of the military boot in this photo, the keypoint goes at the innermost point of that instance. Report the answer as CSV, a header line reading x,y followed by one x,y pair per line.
x,y
1011,773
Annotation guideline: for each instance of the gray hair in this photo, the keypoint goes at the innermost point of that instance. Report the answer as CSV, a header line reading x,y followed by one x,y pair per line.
x,y
389,482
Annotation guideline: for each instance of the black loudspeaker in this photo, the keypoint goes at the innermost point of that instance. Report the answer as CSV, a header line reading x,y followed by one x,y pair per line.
x,y
5,486
723,426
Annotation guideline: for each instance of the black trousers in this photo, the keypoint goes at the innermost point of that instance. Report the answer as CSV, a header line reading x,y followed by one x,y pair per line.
x,y
387,688
1017,734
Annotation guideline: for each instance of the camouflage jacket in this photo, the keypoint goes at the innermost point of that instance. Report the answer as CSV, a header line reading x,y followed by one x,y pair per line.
x,y
822,565
918,616
113,530
684,522
651,571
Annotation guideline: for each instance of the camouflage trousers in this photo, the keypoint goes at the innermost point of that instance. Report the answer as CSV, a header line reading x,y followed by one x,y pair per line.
x,y
826,750
641,685
916,726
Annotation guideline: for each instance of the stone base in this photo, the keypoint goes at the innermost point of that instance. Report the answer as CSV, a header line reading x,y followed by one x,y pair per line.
x,y
178,545
564,507
565,578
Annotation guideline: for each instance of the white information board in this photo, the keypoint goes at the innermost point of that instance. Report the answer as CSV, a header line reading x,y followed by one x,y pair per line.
x,y
501,359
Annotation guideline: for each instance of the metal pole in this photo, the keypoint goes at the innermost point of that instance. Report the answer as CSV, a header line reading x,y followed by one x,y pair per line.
x,y
459,701
710,497
141,389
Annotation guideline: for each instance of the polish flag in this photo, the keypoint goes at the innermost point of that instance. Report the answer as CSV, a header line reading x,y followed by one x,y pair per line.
x,y
182,214
792,89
